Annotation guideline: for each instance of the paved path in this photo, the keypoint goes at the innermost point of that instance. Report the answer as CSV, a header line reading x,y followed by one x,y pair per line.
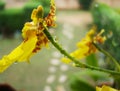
x,y
57,66
57,70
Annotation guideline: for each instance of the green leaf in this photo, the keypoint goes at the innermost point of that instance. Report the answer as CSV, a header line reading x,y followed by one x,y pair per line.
x,y
92,60
80,84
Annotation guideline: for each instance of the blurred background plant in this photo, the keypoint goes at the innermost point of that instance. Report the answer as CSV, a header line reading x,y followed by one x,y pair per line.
x,y
12,19
86,4
87,80
2,5
109,19
104,17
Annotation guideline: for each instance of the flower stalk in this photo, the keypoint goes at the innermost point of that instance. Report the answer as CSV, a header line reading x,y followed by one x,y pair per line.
x,y
108,55
78,64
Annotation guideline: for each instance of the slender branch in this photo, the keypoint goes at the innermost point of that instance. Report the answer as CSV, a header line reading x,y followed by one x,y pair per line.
x,y
107,54
79,64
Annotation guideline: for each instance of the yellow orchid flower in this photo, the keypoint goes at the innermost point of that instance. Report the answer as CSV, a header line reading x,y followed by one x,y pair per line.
x,y
85,46
33,35
105,88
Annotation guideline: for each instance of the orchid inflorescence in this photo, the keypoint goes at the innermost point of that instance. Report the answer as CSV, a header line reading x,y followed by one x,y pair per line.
x,y
36,36
33,35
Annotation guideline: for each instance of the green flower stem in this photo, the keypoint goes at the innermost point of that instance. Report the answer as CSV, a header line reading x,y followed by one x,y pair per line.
x,y
78,64
108,55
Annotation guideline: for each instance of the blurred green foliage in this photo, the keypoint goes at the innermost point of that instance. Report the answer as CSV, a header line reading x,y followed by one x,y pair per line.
x,y
2,5
86,80
118,10
92,60
109,19
44,3
85,4
12,20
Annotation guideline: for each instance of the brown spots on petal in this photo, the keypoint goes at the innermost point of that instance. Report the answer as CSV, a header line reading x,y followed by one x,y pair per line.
x,y
50,19
25,40
45,40
41,34
42,41
92,49
40,28
36,49
38,43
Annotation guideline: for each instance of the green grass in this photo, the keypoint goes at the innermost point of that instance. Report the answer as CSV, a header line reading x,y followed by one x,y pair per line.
x,y
32,77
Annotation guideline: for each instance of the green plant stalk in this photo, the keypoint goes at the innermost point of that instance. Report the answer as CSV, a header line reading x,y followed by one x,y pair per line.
x,y
78,64
108,55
